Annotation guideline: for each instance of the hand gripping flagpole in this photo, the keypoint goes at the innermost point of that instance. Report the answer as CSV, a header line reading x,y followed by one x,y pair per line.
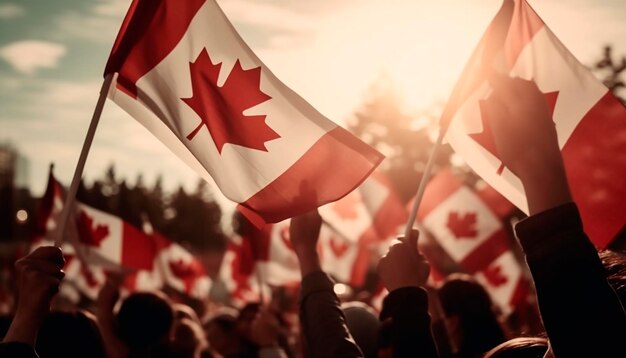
x,y
70,199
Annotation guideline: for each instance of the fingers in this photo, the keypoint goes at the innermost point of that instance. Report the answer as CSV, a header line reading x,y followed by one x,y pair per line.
x,y
411,241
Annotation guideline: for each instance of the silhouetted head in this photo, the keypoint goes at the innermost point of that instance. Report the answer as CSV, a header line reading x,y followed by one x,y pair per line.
x,y
145,321
188,339
521,347
69,334
363,324
470,315
221,332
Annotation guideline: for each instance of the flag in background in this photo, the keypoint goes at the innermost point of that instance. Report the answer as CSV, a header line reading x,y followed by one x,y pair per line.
x,y
99,238
590,121
186,75
472,234
151,262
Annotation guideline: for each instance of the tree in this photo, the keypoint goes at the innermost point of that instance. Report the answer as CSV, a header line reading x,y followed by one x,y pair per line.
x,y
404,138
610,72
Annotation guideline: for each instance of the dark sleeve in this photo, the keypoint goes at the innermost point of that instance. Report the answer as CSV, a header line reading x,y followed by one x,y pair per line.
x,y
323,323
17,350
410,322
580,311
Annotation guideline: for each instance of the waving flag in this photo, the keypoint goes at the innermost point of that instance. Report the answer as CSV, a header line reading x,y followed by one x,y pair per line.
x,y
471,233
99,238
590,121
174,267
185,74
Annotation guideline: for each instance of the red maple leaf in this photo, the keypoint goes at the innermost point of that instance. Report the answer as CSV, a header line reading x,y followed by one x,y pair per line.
x,y
221,108
339,247
494,275
186,271
90,278
346,207
485,138
87,234
462,227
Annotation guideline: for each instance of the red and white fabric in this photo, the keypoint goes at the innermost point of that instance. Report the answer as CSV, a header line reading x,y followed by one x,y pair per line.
x,y
102,239
238,272
207,97
174,267
369,214
589,119
473,236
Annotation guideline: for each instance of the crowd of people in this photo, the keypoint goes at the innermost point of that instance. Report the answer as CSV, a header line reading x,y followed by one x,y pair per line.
x,y
580,293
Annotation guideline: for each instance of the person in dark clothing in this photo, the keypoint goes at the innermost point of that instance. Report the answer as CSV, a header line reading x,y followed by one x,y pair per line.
x,y
404,272
473,324
38,278
324,329
70,334
580,311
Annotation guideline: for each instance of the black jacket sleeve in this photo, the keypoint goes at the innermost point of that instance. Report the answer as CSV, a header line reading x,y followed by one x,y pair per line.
x,y
411,335
580,311
17,350
322,320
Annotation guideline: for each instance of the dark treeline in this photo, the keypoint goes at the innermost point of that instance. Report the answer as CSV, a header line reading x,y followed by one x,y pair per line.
x,y
192,219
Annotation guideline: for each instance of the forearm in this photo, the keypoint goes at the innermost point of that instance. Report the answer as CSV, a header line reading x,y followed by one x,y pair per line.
x,y
23,329
576,302
322,320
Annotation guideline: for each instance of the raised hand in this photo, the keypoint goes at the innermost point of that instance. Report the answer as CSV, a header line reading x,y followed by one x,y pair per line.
x,y
526,140
38,278
403,265
304,232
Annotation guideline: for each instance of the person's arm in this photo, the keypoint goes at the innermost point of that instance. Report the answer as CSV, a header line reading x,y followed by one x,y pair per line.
x,y
323,323
107,298
580,311
38,278
404,272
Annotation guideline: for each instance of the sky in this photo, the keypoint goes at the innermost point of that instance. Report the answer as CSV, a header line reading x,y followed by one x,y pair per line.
x,y
52,55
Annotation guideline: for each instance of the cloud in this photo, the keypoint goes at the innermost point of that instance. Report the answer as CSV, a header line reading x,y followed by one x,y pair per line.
x,y
10,11
30,55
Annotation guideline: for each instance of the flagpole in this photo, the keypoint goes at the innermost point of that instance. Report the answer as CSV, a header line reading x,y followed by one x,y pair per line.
x,y
70,199
425,177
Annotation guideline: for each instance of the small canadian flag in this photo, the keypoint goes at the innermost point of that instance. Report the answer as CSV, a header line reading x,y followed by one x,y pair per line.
x,y
470,231
99,238
185,74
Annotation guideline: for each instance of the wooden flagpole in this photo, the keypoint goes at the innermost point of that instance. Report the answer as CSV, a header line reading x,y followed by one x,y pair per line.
x,y
425,177
70,199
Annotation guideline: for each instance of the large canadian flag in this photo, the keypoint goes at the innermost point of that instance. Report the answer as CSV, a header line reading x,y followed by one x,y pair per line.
x,y
99,238
472,234
590,121
185,74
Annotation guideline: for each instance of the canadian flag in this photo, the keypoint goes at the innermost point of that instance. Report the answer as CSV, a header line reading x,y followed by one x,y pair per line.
x,y
372,213
174,267
185,74
472,234
590,121
99,238
238,272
